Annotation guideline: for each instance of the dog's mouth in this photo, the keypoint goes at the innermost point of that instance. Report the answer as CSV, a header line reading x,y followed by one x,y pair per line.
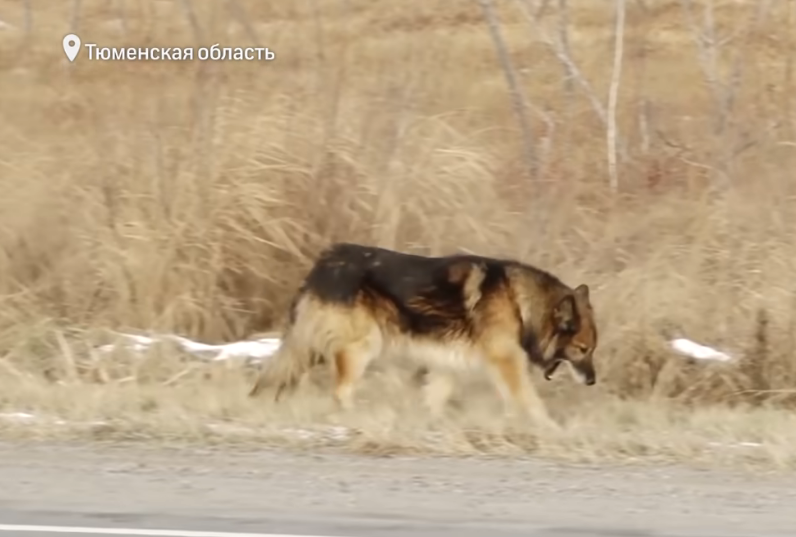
x,y
548,372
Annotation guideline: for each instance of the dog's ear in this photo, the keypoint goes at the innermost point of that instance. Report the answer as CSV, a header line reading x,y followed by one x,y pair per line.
x,y
565,315
582,291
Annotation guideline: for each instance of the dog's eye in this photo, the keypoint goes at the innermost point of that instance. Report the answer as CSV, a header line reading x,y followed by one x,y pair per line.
x,y
583,348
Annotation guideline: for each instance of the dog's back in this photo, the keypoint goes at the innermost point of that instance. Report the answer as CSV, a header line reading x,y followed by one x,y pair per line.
x,y
404,292
345,270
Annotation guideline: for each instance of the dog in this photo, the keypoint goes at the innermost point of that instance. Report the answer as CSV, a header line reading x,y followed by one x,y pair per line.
x,y
459,312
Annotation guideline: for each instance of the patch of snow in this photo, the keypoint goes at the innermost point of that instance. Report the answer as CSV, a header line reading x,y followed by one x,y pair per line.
x,y
686,347
253,351
736,445
17,416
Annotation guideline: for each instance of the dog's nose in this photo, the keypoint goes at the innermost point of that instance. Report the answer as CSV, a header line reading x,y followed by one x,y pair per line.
x,y
590,381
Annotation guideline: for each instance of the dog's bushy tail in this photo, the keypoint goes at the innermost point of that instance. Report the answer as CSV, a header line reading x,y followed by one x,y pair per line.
x,y
285,368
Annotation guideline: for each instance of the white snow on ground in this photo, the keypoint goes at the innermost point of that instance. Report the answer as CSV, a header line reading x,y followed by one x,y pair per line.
x,y
253,351
20,417
686,347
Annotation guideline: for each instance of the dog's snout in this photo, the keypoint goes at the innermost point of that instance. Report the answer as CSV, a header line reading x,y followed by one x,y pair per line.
x,y
589,376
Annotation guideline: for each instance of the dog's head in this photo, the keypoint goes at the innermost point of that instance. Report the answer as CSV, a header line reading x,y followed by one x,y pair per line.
x,y
575,336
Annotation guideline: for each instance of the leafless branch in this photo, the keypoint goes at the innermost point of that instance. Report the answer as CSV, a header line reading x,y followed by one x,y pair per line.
x,y
613,93
644,124
74,25
644,106
708,50
121,9
723,91
28,10
563,38
557,48
240,15
540,10
192,19
511,79
789,69
545,142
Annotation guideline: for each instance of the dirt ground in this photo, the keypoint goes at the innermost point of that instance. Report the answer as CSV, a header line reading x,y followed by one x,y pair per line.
x,y
249,485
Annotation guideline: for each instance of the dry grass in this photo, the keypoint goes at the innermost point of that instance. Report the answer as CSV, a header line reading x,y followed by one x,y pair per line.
x,y
191,196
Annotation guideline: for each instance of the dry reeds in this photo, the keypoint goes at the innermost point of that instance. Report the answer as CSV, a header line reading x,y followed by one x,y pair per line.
x,y
191,196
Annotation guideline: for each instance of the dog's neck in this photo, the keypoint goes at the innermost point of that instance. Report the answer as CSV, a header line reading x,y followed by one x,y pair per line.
x,y
539,333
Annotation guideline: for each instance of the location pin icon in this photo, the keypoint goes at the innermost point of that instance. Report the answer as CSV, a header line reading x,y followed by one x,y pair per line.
x,y
71,46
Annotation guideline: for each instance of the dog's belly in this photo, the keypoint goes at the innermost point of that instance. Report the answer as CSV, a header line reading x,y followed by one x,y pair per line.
x,y
452,356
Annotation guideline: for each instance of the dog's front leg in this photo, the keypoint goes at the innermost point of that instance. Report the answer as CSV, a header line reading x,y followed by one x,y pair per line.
x,y
515,386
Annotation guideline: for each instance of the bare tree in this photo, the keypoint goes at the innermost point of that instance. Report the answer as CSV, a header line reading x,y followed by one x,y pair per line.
x,y
511,79
74,24
723,90
121,9
791,120
192,19
613,93
240,15
558,48
563,38
28,9
643,103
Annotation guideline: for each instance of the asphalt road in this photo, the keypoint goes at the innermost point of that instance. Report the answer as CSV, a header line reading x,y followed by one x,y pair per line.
x,y
49,489
52,524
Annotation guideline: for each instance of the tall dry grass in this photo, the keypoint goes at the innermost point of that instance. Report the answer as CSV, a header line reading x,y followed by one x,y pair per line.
x,y
192,196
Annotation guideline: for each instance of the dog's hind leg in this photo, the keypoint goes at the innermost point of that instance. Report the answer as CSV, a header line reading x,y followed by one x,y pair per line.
x,y
305,380
350,362
437,390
